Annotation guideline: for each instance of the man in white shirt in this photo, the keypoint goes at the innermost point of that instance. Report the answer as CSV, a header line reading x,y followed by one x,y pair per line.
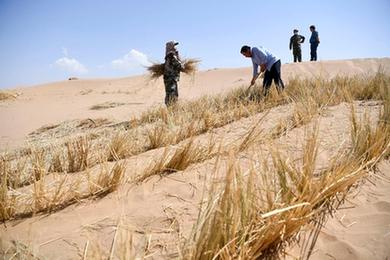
x,y
269,64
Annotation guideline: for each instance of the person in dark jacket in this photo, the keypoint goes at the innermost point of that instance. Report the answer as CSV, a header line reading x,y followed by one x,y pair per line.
x,y
314,41
172,68
295,45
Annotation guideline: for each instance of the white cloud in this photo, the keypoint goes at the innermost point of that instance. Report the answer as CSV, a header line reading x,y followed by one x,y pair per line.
x,y
133,59
71,65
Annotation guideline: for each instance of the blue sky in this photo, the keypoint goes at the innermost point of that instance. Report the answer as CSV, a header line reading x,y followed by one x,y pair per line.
x,y
47,40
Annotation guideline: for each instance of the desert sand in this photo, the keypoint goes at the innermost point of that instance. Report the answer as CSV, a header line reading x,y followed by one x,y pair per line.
x,y
159,209
57,102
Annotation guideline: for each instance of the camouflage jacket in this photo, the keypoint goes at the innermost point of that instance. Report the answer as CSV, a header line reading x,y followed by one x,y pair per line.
x,y
296,40
172,66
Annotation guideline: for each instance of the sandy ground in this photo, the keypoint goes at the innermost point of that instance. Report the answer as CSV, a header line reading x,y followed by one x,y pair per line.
x,y
61,101
161,209
361,229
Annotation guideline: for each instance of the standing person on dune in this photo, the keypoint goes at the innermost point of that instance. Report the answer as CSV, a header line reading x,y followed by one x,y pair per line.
x,y
314,41
295,45
269,64
172,68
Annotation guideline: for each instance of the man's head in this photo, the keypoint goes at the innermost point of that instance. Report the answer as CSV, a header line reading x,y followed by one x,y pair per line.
x,y
171,47
246,51
295,31
312,28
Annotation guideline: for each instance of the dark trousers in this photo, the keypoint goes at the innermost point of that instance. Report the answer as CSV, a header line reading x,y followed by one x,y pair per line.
x,y
297,54
273,74
171,91
313,51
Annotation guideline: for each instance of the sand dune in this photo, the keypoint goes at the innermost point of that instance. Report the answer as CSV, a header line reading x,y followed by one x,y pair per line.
x,y
54,103
161,209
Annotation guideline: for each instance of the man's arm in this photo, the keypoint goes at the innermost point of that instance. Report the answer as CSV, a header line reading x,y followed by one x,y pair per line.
x,y
256,75
254,80
291,41
302,39
258,59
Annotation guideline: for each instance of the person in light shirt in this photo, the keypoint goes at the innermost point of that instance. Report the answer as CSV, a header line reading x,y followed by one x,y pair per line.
x,y
268,63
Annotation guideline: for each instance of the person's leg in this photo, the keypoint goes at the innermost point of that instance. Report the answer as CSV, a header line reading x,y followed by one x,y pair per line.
x,y
311,52
267,81
166,84
295,55
315,52
175,90
299,54
171,93
276,75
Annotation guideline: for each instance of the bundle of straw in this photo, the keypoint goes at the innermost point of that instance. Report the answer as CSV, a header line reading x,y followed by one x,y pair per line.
x,y
156,70
190,66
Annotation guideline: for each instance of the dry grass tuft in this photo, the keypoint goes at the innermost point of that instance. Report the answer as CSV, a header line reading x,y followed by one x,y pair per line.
x,y
186,155
78,152
256,213
57,161
18,250
14,170
59,193
44,129
158,136
368,140
183,156
120,147
38,164
93,123
109,181
107,105
7,96
7,201
186,131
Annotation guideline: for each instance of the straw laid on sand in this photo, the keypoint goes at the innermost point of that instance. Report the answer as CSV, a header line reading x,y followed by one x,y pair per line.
x,y
190,66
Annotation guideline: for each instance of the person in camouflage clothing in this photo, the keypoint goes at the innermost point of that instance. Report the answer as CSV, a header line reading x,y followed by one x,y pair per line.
x,y
172,68
295,44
